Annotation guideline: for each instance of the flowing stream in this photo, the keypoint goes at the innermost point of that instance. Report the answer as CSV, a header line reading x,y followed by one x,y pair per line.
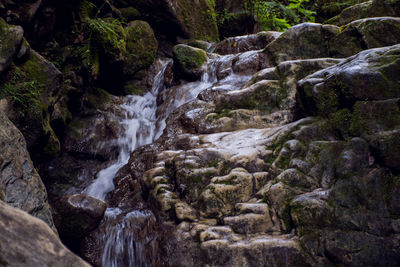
x,y
128,237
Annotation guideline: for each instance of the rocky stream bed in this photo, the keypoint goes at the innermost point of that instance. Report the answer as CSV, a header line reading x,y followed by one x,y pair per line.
x,y
267,149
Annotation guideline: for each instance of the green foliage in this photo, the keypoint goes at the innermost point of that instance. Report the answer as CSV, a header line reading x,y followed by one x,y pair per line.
x,y
273,15
96,35
23,93
223,17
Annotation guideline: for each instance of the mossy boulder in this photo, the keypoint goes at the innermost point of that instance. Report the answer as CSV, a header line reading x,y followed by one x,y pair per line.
x,y
185,18
10,41
365,34
141,47
34,88
189,61
374,8
130,13
303,41
340,86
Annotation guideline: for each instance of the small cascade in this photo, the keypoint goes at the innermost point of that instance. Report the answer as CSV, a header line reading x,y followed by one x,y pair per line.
x,y
129,239
139,124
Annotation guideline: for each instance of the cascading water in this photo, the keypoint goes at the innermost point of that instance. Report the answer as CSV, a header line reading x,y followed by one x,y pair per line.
x,y
140,127
128,237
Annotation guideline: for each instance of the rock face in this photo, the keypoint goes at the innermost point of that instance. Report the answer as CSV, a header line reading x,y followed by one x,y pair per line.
x,y
273,149
374,8
243,172
20,184
245,43
190,19
27,240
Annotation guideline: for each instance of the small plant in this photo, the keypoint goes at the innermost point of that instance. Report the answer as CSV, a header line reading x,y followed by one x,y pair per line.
x,y
273,15
25,94
96,35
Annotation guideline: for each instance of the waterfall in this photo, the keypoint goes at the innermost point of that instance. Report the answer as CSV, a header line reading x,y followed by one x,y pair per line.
x,y
129,241
139,126
128,237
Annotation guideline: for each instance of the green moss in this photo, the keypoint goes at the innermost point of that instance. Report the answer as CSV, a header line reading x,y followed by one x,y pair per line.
x,y
141,47
97,97
33,68
213,163
340,121
23,92
134,89
198,19
190,58
130,13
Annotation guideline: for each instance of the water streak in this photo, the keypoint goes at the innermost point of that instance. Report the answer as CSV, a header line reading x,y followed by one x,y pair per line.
x,y
139,124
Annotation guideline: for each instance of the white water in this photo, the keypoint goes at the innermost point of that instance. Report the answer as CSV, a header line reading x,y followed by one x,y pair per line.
x,y
140,127
124,245
130,241
141,124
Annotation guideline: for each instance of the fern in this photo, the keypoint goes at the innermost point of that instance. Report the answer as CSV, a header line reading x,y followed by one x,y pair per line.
x,y
274,15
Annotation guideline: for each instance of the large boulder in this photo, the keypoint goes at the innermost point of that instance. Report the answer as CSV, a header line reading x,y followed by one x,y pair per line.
x,y
245,43
303,41
141,47
374,8
365,34
369,75
188,19
84,214
20,183
34,90
26,240
189,61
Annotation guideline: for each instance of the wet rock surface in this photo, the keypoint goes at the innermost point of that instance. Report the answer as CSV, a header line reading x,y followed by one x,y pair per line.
x,y
20,184
269,149
28,240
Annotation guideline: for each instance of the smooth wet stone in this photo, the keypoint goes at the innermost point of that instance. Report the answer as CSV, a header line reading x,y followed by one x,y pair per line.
x,y
84,214
27,240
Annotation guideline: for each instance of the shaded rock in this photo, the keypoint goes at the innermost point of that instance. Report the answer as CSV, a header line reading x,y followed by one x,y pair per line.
x,y
245,43
370,117
369,75
365,34
265,250
10,41
188,19
189,61
21,12
35,89
237,23
303,41
27,240
77,215
141,47
20,184
90,142
374,8
385,146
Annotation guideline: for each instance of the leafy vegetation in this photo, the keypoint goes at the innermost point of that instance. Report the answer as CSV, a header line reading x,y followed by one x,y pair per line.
x,y
274,15
23,92
95,35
